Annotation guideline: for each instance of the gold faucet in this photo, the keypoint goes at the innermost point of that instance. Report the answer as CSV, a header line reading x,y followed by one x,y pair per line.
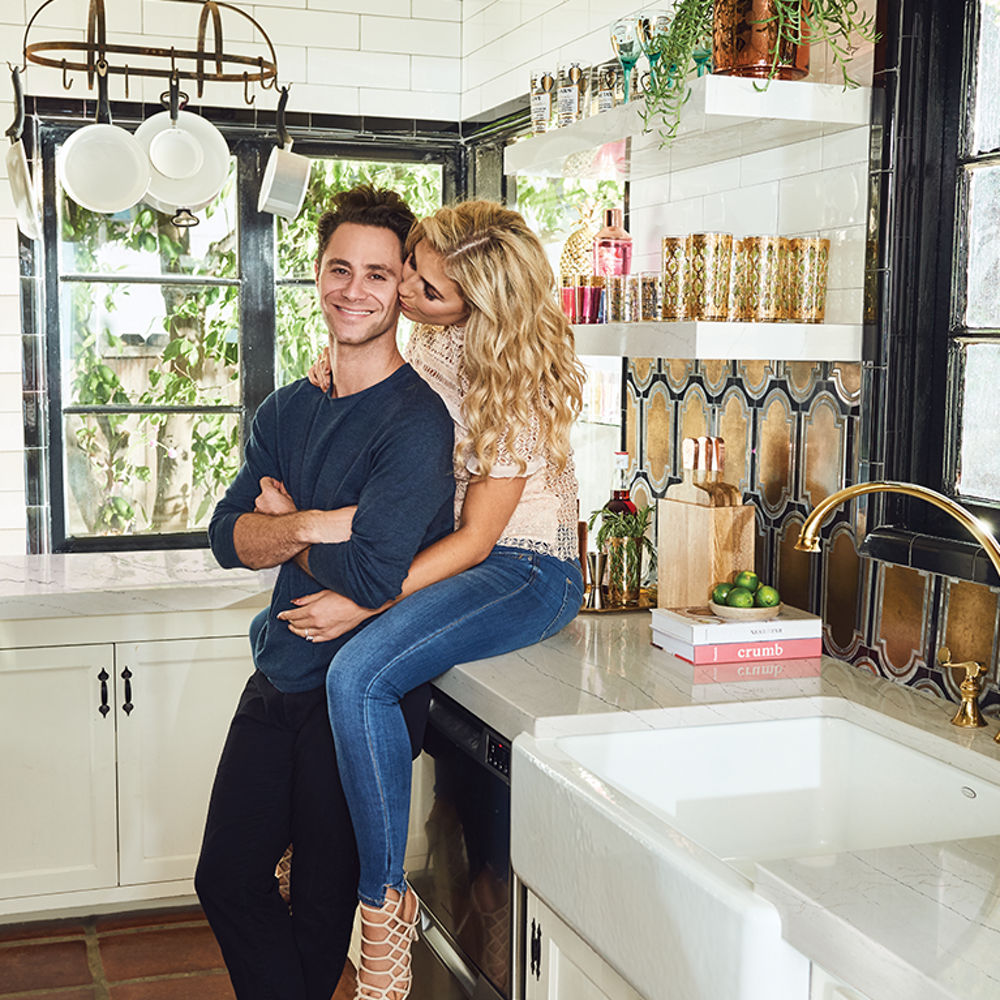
x,y
809,542
968,715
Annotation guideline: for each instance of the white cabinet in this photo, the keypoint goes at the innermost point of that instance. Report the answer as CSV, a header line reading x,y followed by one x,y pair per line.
x,y
57,776
823,986
109,752
561,965
183,694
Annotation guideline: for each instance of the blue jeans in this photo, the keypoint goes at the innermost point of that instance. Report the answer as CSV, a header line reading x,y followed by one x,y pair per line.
x,y
512,599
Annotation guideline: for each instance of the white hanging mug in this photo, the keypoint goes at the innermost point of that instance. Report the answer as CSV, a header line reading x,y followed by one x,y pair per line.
x,y
286,174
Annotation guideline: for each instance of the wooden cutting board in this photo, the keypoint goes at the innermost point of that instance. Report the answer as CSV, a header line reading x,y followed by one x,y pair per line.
x,y
700,547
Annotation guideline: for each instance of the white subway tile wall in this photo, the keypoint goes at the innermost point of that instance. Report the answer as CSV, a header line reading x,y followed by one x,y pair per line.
x,y
448,60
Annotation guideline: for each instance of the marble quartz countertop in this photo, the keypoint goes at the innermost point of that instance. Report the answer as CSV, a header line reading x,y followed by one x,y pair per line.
x,y
120,583
921,922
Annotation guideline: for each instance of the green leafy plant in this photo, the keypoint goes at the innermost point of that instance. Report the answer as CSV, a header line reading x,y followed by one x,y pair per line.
x,y
837,24
622,535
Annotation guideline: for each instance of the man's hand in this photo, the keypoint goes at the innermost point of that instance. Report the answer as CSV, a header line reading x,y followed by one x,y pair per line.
x,y
325,615
273,498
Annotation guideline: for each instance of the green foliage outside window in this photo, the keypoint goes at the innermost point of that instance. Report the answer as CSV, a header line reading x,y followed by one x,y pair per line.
x,y
554,206
160,472
300,332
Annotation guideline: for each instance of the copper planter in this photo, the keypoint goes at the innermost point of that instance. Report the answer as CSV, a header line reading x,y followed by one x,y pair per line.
x,y
743,42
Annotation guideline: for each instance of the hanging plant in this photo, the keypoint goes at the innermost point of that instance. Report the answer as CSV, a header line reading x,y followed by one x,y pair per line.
x,y
840,25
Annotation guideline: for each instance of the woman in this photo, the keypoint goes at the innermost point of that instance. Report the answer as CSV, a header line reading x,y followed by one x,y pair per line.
x,y
496,347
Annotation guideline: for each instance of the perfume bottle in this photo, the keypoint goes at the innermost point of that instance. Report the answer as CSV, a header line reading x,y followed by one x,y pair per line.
x,y
612,246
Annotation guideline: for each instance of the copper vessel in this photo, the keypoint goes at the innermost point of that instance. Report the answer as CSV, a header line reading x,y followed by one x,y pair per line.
x,y
743,42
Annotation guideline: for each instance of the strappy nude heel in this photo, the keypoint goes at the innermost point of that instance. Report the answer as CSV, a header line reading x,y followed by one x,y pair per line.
x,y
398,936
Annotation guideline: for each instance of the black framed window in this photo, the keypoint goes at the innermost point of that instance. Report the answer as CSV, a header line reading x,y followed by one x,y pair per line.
x,y
933,354
161,341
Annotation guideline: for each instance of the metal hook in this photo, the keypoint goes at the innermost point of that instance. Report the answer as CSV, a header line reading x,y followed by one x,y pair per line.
x,y
264,82
173,61
126,81
247,96
67,83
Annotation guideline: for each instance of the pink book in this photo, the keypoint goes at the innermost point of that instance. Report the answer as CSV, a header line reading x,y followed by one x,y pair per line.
x,y
739,652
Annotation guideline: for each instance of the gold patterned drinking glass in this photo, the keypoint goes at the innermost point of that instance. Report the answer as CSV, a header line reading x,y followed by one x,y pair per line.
x,y
633,297
708,263
810,257
786,278
764,278
741,281
649,296
673,266
616,288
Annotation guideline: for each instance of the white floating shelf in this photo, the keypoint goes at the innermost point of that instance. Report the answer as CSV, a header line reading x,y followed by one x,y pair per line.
x,y
724,117
728,341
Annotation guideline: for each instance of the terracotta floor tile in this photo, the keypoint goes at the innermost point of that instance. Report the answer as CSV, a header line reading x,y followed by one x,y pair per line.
x,y
208,986
89,993
43,966
42,929
148,918
167,950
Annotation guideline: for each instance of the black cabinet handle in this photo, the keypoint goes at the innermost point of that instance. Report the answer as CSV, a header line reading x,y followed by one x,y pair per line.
x,y
127,678
536,950
104,707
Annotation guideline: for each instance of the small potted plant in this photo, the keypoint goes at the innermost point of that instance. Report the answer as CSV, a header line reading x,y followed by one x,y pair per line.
x,y
622,535
740,31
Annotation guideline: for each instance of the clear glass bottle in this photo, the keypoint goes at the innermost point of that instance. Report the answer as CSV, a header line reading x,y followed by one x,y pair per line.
x,y
571,86
612,246
542,88
621,499
606,87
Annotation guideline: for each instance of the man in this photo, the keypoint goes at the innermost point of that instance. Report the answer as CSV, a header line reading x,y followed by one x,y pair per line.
x,y
379,440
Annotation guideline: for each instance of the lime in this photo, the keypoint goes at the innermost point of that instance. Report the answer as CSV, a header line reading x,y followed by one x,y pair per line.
x,y
739,597
720,591
766,597
748,580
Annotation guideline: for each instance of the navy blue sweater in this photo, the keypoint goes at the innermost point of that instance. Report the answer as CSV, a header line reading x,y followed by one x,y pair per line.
x,y
387,449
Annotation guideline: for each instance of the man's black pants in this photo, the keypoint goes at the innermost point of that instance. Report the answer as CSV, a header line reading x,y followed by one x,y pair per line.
x,y
277,784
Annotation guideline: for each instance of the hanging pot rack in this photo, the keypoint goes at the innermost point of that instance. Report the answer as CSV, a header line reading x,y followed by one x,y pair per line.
x,y
200,64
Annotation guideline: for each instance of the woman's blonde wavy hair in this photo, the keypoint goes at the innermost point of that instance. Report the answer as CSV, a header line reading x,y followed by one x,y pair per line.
x,y
518,351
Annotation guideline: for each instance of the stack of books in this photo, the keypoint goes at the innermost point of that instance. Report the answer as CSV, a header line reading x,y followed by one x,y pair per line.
x,y
788,645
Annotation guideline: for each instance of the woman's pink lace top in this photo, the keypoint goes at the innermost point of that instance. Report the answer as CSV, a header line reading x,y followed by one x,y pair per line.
x,y
546,516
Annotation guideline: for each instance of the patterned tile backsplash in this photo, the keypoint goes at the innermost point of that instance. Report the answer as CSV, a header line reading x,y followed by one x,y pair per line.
x,y
791,432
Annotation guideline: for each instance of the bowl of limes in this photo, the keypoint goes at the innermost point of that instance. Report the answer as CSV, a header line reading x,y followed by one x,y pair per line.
x,y
745,599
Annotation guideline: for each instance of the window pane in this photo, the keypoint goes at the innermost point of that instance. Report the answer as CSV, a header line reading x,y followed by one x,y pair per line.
x,y
986,126
982,276
418,183
143,241
299,332
979,470
144,474
150,344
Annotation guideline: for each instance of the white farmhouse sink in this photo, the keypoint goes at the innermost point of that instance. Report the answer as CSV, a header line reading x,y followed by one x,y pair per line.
x,y
786,788
648,841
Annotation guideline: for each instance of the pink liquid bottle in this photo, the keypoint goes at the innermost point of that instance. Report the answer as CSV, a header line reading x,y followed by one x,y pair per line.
x,y
612,246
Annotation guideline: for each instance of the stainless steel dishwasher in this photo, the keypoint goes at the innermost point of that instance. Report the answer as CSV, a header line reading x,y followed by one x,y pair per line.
x,y
458,857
